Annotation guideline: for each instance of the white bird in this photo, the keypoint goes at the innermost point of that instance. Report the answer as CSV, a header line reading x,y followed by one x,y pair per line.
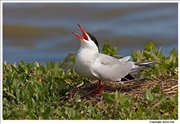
x,y
92,64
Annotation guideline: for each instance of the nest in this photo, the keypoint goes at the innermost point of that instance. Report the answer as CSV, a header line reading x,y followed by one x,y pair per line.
x,y
133,88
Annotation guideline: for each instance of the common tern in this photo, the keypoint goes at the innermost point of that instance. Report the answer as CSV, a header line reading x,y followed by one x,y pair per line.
x,y
94,65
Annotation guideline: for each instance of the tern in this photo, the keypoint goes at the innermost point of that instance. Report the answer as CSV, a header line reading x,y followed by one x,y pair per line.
x,y
94,65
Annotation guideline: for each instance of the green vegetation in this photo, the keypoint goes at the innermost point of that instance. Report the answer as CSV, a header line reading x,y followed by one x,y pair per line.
x,y
35,91
167,67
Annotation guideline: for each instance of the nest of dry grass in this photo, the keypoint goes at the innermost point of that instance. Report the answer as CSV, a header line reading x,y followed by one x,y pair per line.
x,y
134,88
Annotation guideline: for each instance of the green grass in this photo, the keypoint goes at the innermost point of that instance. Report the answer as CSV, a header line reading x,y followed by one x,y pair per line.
x,y
34,91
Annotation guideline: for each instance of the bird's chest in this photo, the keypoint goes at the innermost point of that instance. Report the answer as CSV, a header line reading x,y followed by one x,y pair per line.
x,y
83,65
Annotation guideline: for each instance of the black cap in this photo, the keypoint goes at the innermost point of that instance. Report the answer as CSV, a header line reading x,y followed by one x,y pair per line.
x,y
93,39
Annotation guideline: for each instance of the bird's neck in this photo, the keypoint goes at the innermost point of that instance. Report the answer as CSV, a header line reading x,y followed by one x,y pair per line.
x,y
87,51
88,48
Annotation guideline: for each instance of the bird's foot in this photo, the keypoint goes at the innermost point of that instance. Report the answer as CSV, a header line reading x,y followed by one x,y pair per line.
x,y
96,89
101,91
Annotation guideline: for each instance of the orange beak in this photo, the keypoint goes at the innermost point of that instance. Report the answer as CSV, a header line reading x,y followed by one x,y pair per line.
x,y
83,32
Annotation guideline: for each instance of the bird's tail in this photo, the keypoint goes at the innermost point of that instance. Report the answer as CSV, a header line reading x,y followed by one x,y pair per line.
x,y
142,65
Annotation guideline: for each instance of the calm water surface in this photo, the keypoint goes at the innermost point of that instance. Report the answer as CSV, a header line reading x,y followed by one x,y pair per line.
x,y
43,31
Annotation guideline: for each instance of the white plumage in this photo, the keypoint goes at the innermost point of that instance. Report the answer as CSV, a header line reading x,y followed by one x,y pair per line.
x,y
92,64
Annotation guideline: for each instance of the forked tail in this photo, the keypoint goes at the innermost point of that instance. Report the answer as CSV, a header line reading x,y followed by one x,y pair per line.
x,y
142,65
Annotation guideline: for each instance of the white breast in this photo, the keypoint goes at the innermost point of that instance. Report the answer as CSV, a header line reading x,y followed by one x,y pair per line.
x,y
84,62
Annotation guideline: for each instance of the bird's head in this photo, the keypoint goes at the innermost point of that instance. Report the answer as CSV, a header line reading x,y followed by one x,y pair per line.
x,y
87,40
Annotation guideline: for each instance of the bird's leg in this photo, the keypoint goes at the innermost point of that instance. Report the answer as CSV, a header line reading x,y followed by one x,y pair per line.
x,y
104,85
96,89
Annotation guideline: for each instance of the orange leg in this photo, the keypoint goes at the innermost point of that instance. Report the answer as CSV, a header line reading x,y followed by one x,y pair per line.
x,y
104,85
96,89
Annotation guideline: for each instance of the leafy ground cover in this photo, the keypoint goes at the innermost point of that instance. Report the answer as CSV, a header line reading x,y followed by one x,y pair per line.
x,y
36,91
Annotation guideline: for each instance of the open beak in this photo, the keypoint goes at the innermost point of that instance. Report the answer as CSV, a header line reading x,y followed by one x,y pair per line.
x,y
83,32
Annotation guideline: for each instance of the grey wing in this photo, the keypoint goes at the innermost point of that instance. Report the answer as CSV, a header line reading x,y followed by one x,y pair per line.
x,y
108,68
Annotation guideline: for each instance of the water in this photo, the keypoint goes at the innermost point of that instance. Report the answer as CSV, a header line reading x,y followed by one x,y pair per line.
x,y
43,31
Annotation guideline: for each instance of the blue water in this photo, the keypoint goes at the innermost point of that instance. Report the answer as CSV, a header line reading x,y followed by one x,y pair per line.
x,y
43,31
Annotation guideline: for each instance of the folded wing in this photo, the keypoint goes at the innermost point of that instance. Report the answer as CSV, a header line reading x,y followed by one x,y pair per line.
x,y
108,68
